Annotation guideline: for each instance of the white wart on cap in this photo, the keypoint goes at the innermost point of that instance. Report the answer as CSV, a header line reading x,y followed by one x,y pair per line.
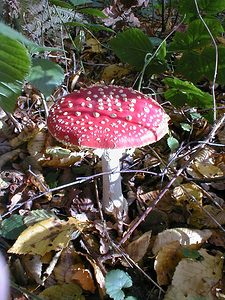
x,y
107,117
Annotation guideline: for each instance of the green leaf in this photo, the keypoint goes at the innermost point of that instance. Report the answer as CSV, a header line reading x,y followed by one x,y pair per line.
x,y
204,65
207,7
14,66
196,36
130,298
185,126
15,35
37,215
45,75
80,2
9,93
14,60
60,3
189,253
115,281
89,26
92,12
184,92
173,143
12,227
131,46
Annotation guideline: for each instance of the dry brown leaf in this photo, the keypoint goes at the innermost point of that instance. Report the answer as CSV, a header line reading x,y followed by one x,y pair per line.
x,y
199,218
78,274
36,145
193,279
27,134
138,248
208,170
184,236
71,269
166,261
9,157
185,193
33,266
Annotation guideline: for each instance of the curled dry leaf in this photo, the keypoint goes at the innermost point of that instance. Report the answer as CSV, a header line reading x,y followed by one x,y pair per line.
x,y
138,248
36,145
26,134
184,236
70,269
193,279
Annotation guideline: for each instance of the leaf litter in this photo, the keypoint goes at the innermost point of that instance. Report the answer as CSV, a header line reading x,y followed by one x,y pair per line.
x,y
56,235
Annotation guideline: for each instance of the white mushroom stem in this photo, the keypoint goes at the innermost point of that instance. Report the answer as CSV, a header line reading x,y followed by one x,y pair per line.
x,y
113,201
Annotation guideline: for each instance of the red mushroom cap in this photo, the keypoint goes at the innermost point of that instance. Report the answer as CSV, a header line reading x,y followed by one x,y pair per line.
x,y
107,117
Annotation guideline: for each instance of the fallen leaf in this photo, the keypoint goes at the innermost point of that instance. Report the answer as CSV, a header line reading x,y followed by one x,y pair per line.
x,y
114,71
184,236
63,291
45,236
166,261
194,278
138,248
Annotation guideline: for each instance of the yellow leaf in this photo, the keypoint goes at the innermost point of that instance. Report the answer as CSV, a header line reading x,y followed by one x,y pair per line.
x,y
114,71
94,45
186,192
208,170
45,236
63,291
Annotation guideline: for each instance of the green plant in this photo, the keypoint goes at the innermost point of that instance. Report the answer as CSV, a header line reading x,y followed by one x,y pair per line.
x,y
115,281
18,66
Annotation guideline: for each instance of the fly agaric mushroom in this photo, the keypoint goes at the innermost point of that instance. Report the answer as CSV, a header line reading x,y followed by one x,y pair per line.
x,y
111,118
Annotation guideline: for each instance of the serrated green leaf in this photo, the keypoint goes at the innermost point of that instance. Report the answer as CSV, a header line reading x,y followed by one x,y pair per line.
x,y
12,227
14,60
204,65
173,143
196,36
184,92
80,2
37,215
132,46
115,281
92,12
89,26
60,3
45,75
14,66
